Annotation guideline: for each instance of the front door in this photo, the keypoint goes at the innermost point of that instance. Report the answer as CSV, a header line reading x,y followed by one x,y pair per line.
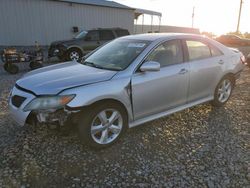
x,y
154,92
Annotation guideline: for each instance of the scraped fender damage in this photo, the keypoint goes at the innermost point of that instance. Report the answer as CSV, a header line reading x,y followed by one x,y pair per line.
x,y
118,89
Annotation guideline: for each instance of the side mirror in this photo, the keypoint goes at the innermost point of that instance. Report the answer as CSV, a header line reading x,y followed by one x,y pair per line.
x,y
150,66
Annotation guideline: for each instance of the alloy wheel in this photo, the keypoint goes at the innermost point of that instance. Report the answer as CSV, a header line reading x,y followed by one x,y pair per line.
x,y
74,55
106,126
224,90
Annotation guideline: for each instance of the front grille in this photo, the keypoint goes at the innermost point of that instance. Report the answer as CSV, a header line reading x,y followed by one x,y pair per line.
x,y
17,101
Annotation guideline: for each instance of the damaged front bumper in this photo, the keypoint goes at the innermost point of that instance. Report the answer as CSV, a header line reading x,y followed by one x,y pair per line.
x,y
19,98
53,117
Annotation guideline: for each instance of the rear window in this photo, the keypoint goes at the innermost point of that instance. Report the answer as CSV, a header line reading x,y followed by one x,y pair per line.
x,y
197,50
106,35
121,32
215,51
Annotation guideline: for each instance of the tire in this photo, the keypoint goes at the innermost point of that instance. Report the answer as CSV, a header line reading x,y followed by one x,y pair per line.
x,y
106,132
74,54
223,91
35,65
10,68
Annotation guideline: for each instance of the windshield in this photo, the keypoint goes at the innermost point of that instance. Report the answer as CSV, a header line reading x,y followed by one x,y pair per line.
x,y
116,55
82,34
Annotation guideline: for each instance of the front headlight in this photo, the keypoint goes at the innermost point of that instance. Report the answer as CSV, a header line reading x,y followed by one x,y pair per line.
x,y
46,103
56,51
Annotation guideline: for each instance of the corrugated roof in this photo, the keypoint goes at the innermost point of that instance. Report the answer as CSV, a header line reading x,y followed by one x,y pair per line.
x,y
103,3
139,12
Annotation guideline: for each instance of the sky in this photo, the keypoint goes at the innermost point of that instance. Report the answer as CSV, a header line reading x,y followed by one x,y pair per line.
x,y
217,16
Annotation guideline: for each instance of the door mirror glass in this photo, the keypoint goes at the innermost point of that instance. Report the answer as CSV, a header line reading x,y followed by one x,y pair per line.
x,y
150,66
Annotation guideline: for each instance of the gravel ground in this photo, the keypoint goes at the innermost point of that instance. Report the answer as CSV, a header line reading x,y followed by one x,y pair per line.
x,y
198,147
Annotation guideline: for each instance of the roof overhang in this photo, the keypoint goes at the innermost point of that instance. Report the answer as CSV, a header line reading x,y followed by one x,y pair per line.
x,y
139,12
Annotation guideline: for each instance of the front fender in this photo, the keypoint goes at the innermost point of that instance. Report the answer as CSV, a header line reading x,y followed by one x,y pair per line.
x,y
118,90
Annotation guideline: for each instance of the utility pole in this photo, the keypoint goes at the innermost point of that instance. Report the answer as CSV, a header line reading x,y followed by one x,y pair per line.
x,y
238,25
193,17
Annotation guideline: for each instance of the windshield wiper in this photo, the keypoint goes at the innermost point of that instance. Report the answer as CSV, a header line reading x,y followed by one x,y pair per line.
x,y
92,64
99,66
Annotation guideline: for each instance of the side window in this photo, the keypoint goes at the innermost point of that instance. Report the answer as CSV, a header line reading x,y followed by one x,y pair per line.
x,y
168,53
197,50
93,36
106,35
215,51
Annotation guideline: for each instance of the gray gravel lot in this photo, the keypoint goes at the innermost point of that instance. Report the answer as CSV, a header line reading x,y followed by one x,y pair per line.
x,y
198,147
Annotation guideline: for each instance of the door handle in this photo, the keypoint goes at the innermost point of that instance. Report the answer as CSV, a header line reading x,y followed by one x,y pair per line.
x,y
183,71
221,62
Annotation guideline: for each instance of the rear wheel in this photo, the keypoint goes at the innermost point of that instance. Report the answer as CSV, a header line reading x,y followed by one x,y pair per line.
x,y
103,125
223,91
11,68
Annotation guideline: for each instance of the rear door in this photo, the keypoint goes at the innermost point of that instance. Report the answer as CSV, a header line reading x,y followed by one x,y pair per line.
x,y
155,92
206,67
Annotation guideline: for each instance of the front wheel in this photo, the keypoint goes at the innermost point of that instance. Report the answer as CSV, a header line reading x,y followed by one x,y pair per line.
x,y
102,125
74,55
223,91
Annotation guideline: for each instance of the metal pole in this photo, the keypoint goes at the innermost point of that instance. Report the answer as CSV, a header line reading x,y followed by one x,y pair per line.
x,y
152,23
193,18
136,25
142,22
238,24
159,24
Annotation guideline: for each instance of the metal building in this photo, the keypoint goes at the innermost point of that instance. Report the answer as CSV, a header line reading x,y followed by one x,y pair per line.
x,y
25,21
164,29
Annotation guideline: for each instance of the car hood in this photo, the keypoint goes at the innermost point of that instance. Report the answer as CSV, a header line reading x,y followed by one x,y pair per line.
x,y
64,42
53,79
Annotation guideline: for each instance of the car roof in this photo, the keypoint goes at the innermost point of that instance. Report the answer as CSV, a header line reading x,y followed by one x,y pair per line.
x,y
158,36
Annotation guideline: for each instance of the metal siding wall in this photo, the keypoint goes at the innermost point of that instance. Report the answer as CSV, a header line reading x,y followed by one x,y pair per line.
x,y
25,21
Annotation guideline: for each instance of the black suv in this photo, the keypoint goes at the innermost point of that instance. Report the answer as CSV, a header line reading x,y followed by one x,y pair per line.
x,y
84,42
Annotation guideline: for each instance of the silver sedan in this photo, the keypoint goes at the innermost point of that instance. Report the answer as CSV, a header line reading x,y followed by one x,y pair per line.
x,y
127,82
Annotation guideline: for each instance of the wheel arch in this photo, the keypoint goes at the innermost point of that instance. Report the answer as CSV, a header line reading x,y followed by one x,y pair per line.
x,y
75,47
98,102
230,75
